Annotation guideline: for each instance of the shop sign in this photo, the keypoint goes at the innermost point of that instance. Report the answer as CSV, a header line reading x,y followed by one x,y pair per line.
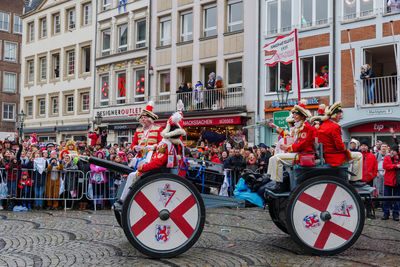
x,y
380,111
376,127
208,121
123,111
280,119
292,102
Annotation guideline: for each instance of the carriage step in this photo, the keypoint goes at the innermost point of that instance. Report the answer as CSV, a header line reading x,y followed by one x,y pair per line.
x,y
212,201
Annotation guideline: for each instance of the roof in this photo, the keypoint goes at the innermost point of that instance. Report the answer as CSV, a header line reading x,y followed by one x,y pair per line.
x,y
32,5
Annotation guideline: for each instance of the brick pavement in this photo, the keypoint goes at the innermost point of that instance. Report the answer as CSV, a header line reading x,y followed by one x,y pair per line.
x,y
94,239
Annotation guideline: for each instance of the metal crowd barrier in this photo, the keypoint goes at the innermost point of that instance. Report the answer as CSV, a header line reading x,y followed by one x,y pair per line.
x,y
50,186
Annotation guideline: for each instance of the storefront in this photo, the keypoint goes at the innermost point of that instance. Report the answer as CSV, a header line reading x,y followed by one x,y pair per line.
x,y
215,130
373,131
120,122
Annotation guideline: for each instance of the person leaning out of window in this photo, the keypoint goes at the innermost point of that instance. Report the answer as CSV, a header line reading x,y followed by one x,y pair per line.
x,y
369,85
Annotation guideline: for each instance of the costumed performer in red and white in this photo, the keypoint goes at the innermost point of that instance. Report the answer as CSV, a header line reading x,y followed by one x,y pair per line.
x,y
146,137
170,151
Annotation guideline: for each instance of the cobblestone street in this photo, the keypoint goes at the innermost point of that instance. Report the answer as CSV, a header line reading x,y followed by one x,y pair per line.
x,y
251,239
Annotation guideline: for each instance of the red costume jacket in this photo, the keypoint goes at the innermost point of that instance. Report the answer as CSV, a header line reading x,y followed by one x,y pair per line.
x,y
26,182
330,135
390,170
153,138
305,139
160,159
370,167
93,138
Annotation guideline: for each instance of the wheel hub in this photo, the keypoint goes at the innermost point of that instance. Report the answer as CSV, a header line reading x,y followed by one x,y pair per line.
x,y
325,216
164,215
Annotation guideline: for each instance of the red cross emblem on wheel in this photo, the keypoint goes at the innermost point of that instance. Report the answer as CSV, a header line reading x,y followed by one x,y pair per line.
x,y
334,219
164,205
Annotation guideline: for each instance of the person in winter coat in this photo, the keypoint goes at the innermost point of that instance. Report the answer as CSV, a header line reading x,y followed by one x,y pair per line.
x,y
251,163
39,177
25,187
366,75
53,182
93,136
391,164
70,177
98,180
215,159
369,172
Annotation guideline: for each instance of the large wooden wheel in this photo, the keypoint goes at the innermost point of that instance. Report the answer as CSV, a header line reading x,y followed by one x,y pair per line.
x,y
325,215
163,215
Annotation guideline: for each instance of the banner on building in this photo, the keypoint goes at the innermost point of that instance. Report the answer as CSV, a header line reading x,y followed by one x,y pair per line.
x,y
284,49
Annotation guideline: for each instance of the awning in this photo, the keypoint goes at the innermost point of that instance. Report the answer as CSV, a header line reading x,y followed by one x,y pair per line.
x,y
73,128
39,130
234,120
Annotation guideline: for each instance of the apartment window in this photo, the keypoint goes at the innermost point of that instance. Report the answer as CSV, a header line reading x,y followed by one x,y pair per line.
x,y
31,30
165,31
139,85
85,101
70,103
56,65
106,4
314,12
42,107
165,82
54,105
29,108
314,72
186,26
43,28
31,70
71,18
10,51
71,62
43,68
279,16
235,16
121,85
105,90
8,111
86,59
123,38
105,49
87,14
210,20
234,68
278,76
357,8
10,82
17,24
56,24
141,33
4,21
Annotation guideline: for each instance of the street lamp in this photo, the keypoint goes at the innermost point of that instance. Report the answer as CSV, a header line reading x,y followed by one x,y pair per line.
x,y
98,119
283,95
20,122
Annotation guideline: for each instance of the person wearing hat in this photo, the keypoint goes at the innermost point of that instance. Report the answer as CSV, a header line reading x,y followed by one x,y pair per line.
x,y
148,136
335,152
50,147
369,173
304,135
285,136
391,164
354,144
317,120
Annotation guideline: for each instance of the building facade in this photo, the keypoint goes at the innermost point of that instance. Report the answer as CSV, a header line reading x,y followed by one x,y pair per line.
x,y
337,38
57,69
10,63
191,39
122,54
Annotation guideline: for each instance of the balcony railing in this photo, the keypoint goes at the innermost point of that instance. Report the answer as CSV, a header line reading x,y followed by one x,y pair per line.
x,y
215,99
379,91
